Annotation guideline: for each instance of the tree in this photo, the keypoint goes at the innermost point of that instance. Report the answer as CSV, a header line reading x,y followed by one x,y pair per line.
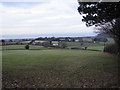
x,y
99,13
63,45
3,42
32,41
46,44
27,47
10,40
104,16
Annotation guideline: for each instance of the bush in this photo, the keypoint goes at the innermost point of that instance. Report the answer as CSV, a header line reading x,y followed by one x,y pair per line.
x,y
46,44
113,49
85,48
27,47
63,45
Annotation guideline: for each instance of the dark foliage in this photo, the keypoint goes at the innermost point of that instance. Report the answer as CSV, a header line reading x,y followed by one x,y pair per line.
x,y
27,47
100,39
96,13
3,41
113,49
63,45
104,15
46,44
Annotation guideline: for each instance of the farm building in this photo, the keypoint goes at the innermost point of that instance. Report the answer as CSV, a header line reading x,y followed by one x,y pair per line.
x,y
38,42
55,43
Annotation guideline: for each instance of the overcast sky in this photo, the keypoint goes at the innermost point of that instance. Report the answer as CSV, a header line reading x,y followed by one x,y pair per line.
x,y
45,18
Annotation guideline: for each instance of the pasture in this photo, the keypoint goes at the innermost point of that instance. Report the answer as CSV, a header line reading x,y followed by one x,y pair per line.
x,y
70,45
48,67
21,47
58,68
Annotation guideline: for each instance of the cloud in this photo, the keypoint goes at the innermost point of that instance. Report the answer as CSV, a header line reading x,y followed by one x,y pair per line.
x,y
53,16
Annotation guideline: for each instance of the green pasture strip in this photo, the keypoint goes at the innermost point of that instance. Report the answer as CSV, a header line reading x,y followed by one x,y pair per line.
x,y
13,47
96,48
7,47
37,47
55,42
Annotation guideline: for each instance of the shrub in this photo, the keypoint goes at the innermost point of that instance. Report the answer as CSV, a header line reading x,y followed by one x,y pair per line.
x,y
85,48
27,47
63,45
46,44
112,48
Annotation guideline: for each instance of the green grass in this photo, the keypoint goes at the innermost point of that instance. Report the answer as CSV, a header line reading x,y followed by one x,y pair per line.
x,y
71,44
55,42
58,68
22,47
37,47
0,47
13,47
96,47
93,46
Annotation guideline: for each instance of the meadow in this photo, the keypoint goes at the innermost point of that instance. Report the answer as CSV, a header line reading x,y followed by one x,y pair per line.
x,y
48,67
21,47
97,46
57,68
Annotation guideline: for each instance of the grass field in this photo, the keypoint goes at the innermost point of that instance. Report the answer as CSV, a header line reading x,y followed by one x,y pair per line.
x,y
22,47
58,68
93,46
70,45
96,48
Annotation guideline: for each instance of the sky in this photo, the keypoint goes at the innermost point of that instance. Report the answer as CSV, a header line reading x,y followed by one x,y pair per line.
x,y
47,18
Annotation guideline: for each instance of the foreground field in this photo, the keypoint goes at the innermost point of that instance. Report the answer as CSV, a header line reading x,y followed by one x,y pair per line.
x,y
58,68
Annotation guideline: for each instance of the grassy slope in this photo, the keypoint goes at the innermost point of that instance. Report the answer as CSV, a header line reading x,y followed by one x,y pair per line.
x,y
59,68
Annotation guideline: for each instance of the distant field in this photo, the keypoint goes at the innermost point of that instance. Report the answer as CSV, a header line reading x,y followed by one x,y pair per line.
x,y
58,68
55,42
13,47
93,46
22,47
96,48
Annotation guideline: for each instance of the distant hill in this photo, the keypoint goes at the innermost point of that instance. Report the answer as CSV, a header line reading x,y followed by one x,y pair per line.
x,y
102,35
